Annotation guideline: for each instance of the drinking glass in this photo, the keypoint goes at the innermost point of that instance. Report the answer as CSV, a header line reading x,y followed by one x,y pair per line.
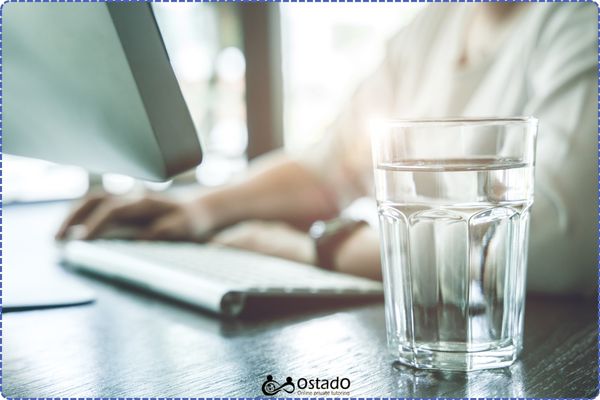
x,y
453,198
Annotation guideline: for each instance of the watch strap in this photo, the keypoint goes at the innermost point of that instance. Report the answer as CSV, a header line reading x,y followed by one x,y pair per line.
x,y
329,235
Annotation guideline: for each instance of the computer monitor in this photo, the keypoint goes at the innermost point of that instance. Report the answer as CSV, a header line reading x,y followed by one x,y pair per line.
x,y
90,84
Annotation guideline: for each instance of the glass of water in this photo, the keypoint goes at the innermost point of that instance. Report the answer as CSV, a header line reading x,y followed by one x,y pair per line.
x,y
453,199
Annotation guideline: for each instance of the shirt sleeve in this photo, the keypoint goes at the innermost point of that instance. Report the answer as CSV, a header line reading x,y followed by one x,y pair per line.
x,y
563,94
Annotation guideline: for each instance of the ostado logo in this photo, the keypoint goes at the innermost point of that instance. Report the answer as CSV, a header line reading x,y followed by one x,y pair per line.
x,y
307,386
271,387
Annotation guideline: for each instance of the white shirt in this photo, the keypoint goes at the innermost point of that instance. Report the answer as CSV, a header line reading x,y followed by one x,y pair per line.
x,y
542,62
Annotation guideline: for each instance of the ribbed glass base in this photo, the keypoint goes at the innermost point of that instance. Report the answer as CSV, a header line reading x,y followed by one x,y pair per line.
x,y
456,360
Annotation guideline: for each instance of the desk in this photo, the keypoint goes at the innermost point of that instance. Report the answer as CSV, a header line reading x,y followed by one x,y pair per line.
x,y
129,343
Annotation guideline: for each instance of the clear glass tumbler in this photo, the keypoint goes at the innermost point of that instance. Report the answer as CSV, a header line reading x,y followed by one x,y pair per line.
x,y
453,199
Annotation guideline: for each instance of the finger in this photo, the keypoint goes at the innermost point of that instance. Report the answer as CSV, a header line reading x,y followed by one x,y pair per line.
x,y
79,213
164,228
222,240
115,212
144,208
139,211
237,236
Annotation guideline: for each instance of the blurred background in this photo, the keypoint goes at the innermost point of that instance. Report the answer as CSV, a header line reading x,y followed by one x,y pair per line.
x,y
255,77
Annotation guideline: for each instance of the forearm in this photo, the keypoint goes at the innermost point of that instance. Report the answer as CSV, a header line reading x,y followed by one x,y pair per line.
x,y
274,188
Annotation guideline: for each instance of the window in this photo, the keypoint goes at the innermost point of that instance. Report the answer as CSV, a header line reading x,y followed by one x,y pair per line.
x,y
327,49
204,43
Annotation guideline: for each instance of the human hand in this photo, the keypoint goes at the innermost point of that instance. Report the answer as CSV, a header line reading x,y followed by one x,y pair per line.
x,y
153,217
276,239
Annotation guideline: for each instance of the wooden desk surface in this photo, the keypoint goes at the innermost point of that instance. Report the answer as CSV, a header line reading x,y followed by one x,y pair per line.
x,y
132,344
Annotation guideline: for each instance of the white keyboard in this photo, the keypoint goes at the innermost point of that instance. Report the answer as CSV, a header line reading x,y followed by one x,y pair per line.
x,y
217,278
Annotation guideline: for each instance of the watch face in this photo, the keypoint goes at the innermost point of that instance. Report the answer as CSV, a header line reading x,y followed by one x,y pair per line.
x,y
317,230
321,229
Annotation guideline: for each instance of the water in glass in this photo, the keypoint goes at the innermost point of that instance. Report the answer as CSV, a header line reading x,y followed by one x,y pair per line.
x,y
454,248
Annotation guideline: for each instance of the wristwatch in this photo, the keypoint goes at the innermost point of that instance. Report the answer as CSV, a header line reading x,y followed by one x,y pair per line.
x,y
328,235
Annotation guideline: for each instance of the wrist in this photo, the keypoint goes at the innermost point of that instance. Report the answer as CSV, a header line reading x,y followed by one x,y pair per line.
x,y
208,213
359,254
328,236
